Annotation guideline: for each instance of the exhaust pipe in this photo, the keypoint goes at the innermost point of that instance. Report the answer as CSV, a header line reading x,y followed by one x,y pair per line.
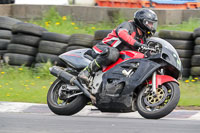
x,y
69,78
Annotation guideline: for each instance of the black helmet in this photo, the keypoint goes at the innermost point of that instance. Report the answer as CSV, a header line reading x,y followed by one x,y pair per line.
x,y
146,20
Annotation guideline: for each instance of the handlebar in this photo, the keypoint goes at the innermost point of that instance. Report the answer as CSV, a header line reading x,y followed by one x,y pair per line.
x,y
147,49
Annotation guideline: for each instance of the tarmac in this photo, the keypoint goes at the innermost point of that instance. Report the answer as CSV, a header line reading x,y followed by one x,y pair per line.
x,y
91,111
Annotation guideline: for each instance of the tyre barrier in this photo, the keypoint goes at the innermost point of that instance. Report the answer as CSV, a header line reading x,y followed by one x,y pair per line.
x,y
23,44
183,42
99,35
54,44
50,46
195,65
80,41
18,59
44,57
175,35
29,44
7,1
6,24
55,37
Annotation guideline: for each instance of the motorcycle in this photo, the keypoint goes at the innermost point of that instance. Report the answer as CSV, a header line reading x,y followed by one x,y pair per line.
x,y
143,81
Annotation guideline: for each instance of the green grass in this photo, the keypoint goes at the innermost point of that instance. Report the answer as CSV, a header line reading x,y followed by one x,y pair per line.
x,y
53,22
190,25
22,84
190,93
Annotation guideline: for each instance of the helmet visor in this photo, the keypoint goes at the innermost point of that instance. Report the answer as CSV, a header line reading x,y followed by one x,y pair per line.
x,y
150,25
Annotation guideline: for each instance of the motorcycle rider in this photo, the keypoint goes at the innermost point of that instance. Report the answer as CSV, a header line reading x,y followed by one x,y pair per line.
x,y
129,35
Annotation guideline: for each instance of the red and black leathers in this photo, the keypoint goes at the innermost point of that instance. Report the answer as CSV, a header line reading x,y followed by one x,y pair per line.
x,y
124,37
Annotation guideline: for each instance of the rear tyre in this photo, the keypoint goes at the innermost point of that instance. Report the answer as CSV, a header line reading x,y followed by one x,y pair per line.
x,y
156,108
68,106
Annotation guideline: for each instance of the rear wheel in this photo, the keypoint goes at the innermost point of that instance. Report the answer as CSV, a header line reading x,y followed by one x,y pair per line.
x,y
63,101
167,98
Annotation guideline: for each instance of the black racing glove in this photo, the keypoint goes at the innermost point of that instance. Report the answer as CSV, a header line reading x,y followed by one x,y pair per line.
x,y
138,45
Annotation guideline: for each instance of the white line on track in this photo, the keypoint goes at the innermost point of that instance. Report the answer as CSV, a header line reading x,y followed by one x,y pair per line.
x,y
92,111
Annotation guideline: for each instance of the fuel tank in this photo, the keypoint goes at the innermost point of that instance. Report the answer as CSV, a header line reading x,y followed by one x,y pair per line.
x,y
125,55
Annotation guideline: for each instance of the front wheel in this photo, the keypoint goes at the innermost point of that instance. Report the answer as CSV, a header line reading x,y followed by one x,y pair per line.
x,y
63,101
167,98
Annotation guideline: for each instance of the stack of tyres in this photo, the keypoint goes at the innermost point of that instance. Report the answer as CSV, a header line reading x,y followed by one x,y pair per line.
x,y
24,44
100,35
156,34
195,69
50,47
80,41
7,1
184,44
6,24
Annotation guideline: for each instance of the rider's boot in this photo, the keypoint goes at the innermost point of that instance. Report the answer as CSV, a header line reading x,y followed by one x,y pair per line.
x,y
88,71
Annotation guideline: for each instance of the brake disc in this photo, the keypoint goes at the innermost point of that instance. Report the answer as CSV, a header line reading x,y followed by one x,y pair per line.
x,y
62,92
153,101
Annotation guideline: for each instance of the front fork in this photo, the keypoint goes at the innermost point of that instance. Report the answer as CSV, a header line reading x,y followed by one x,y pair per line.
x,y
159,80
154,83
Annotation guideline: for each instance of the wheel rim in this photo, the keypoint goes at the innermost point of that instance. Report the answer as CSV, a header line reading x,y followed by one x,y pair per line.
x,y
56,95
164,96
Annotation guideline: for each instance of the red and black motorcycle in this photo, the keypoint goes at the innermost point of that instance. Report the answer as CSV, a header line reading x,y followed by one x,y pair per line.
x,y
143,81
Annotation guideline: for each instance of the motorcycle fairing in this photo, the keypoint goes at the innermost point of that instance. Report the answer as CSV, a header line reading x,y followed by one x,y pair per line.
x,y
116,94
169,55
142,72
76,58
123,103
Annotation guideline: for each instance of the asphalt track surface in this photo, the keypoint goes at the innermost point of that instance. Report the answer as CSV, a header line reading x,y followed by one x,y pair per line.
x,y
43,123
37,118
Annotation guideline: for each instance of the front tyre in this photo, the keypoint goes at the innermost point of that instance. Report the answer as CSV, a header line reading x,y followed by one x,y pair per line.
x,y
151,107
63,102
